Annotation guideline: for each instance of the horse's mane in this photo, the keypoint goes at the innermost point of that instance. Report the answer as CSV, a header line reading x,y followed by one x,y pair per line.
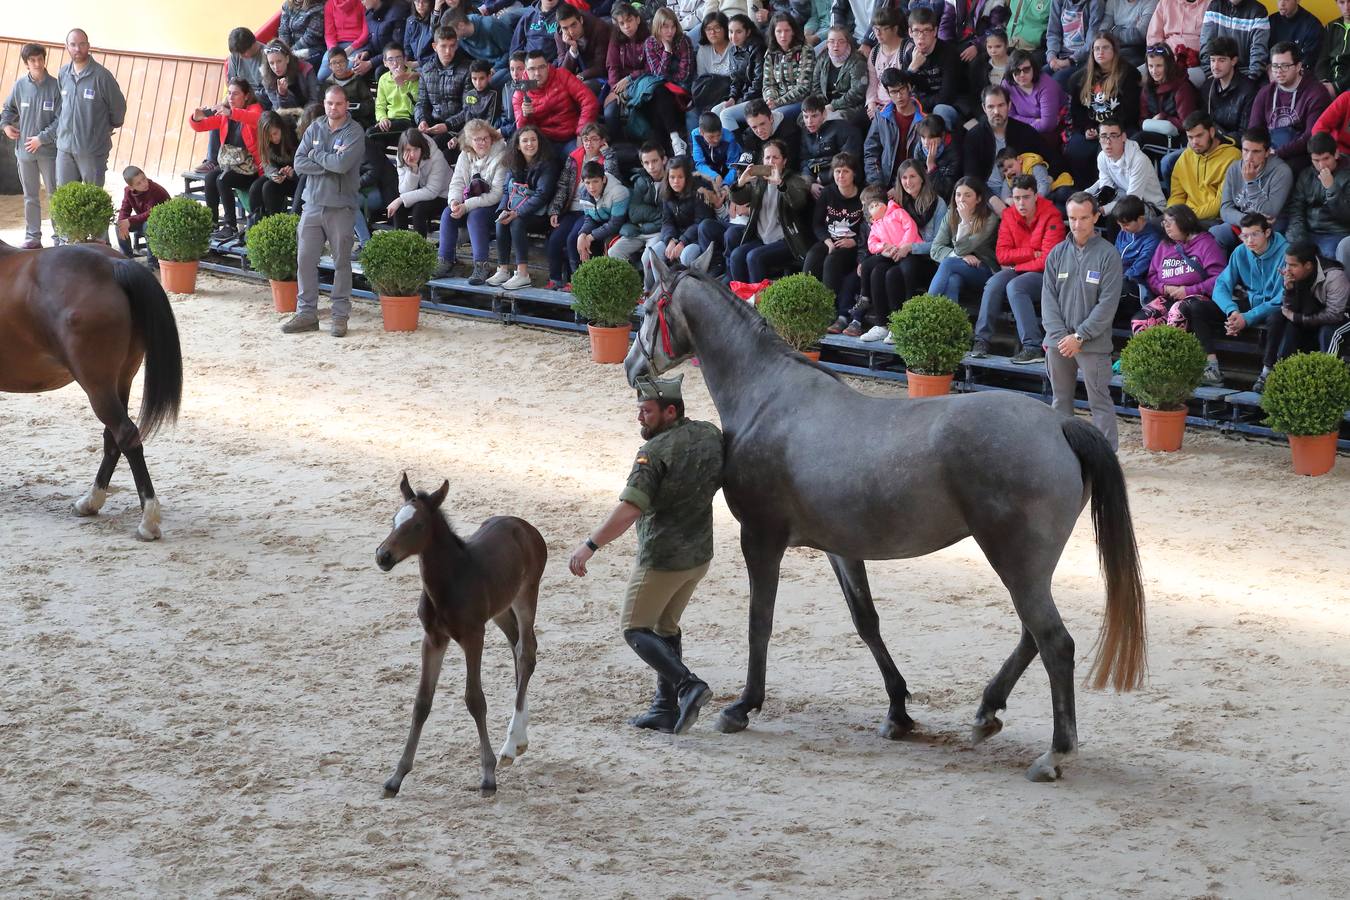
x,y
755,322
449,526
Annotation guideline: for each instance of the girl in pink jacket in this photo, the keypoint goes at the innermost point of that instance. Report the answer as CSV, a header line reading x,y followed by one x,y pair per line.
x,y
891,235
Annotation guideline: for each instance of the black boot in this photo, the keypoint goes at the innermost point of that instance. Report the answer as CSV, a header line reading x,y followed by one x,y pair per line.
x,y
665,708
661,656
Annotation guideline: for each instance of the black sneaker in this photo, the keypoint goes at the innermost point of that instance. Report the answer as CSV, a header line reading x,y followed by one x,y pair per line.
x,y
1028,355
1259,385
481,272
224,233
979,350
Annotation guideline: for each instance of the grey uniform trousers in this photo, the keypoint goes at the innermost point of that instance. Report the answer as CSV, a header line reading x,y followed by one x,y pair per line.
x,y
1096,369
32,171
84,167
333,225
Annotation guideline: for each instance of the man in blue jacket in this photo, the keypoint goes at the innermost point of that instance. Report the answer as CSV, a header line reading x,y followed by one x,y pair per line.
x,y
1248,293
538,30
714,149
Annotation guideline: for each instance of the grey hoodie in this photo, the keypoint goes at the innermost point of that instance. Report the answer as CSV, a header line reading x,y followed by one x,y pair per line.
x,y
1080,292
1266,194
92,106
332,160
34,109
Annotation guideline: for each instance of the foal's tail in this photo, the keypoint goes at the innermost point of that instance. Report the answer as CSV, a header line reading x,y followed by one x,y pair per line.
x,y
153,318
1120,659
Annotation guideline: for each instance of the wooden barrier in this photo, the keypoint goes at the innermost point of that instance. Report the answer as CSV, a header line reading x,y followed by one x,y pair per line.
x,y
161,93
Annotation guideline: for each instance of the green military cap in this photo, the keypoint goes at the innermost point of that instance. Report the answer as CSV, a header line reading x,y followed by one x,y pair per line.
x,y
666,389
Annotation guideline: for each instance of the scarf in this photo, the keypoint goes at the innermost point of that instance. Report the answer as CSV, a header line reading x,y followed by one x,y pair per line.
x,y
838,61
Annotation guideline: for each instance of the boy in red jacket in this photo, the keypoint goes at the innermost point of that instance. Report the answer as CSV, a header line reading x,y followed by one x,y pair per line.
x,y
141,196
1029,229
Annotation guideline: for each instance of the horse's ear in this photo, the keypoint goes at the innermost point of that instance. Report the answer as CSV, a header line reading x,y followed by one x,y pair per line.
x,y
405,488
660,268
704,260
438,498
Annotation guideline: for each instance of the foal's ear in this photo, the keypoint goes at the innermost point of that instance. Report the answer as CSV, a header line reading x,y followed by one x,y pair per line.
x,y
704,260
405,488
438,498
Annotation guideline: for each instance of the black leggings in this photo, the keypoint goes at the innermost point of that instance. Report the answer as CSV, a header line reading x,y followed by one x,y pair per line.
x,y
268,197
663,111
889,283
220,185
1206,320
833,268
420,215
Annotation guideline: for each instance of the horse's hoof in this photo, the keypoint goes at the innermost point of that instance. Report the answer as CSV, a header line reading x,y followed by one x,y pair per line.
x,y
983,731
148,530
391,788
147,534
896,730
506,757
730,722
90,503
1047,766
488,788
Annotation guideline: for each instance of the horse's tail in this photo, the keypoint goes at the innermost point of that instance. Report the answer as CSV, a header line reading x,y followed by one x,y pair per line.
x,y
153,318
1120,653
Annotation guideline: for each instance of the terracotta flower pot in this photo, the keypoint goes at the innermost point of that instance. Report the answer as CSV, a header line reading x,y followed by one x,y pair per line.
x,y
1314,454
178,277
608,345
400,313
283,295
928,385
813,355
1163,428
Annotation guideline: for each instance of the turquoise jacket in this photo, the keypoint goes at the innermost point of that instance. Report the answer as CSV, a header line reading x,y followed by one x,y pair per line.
x,y
1263,276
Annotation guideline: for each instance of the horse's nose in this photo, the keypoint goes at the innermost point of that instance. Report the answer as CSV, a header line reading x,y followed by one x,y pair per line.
x,y
384,559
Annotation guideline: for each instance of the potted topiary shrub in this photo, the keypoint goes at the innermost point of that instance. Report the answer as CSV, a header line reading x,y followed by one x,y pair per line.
x,y
1306,396
398,264
272,248
932,334
1162,368
604,293
800,309
179,234
81,212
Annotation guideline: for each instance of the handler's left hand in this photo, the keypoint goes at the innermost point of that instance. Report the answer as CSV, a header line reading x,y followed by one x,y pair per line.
x,y
580,556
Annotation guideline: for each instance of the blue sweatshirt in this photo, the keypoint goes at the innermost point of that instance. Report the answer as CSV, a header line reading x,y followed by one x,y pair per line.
x,y
1263,276
1136,250
714,163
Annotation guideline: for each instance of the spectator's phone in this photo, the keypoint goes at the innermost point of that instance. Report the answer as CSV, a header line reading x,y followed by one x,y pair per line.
x,y
761,171
529,85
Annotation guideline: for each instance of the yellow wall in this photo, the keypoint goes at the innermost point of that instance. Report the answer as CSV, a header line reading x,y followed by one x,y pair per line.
x,y
183,27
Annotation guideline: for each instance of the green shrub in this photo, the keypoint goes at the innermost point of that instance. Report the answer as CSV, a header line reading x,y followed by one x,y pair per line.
x,y
1162,367
932,334
179,230
799,308
605,291
272,246
81,212
398,263
1307,394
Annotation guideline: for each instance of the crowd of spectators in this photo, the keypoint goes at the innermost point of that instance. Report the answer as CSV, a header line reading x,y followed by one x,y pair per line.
x,y
890,148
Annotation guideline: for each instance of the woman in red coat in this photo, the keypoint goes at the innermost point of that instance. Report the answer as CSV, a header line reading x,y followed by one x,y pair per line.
x,y
237,122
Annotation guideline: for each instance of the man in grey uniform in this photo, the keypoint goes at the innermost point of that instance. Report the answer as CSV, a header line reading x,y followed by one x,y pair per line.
x,y
29,119
330,155
92,107
1079,295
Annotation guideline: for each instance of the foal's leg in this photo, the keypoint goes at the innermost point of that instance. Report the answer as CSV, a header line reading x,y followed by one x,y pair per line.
x,y
987,723
763,558
477,704
521,636
433,655
852,575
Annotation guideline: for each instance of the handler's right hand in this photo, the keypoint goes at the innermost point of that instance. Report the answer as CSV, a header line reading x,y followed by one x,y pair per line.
x,y
580,556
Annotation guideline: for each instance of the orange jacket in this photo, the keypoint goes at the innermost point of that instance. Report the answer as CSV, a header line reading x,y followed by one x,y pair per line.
x,y
1023,246
248,127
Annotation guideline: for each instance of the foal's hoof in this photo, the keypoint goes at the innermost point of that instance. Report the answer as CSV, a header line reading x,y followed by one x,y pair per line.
x,y
391,788
509,753
147,534
91,502
148,530
983,731
731,720
896,729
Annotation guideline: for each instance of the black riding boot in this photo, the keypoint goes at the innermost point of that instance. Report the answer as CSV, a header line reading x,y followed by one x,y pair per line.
x,y
665,708
661,656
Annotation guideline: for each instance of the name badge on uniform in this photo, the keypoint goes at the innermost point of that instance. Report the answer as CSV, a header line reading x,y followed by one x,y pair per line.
x,y
89,93
48,106
24,104
338,146
1094,277
1062,276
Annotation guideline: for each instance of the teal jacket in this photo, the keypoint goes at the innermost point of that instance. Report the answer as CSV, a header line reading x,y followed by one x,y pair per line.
x,y
1263,275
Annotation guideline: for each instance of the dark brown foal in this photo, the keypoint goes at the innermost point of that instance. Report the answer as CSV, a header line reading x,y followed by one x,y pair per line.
x,y
493,575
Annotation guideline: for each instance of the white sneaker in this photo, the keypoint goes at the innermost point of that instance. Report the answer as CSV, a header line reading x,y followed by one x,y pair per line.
x,y
875,333
889,339
500,277
517,281
678,144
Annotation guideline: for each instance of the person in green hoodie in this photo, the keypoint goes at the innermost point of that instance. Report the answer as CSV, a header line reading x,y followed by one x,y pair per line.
x,y
1333,64
1248,293
1027,25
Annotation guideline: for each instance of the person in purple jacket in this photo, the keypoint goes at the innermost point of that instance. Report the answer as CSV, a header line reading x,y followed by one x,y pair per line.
x,y
1289,106
1185,265
1036,99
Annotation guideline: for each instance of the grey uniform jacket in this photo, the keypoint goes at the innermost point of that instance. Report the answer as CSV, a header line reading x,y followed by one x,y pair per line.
x,y
1080,292
34,109
332,161
92,105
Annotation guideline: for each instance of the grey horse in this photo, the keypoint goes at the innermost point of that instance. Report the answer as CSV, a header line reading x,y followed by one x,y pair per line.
x,y
810,462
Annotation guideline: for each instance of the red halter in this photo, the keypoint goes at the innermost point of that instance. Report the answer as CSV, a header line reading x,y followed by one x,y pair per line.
x,y
661,322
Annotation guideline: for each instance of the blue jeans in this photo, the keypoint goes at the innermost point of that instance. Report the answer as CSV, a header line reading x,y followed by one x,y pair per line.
x,y
954,273
1333,246
1022,289
480,222
1165,167
750,259
556,246
512,237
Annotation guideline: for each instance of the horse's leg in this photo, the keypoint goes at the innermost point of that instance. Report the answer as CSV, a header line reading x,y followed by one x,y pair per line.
x,y
93,500
763,558
112,412
987,723
477,704
432,657
518,626
852,575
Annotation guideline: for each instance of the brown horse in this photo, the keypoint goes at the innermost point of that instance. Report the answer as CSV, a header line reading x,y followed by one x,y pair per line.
x,y
493,575
83,313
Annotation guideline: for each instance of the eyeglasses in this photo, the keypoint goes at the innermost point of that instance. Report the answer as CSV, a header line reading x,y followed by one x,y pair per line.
x,y
1023,70
1109,137
1280,67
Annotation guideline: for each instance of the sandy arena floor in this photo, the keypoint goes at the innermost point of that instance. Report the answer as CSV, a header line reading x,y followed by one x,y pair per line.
x,y
214,714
